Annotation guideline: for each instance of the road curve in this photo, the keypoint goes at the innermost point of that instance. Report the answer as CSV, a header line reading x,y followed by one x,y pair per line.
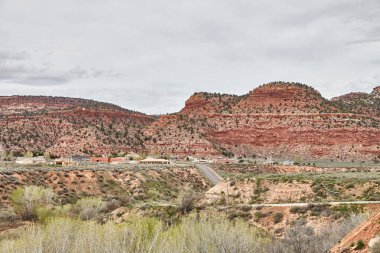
x,y
209,173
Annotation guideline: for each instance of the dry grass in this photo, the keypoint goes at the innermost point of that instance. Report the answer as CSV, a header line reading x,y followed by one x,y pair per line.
x,y
193,234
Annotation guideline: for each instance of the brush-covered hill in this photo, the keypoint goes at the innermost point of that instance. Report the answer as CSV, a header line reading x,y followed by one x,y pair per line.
x,y
285,120
65,126
360,102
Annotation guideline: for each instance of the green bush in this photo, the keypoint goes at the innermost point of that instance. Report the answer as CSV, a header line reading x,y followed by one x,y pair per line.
x,y
258,215
277,217
360,245
27,200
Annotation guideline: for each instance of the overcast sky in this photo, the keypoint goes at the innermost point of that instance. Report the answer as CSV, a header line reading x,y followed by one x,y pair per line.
x,y
151,56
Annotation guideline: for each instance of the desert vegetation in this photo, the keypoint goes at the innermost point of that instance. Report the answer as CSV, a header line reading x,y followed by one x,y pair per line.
x,y
88,226
193,234
258,187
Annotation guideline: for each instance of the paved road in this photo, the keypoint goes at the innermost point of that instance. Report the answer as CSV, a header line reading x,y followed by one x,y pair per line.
x,y
214,178
318,203
209,173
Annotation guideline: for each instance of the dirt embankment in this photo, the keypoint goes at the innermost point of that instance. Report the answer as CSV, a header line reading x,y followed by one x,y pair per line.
x,y
365,232
289,190
154,184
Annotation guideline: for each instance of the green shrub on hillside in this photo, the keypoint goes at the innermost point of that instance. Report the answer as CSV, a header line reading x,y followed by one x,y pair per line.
x,y
27,200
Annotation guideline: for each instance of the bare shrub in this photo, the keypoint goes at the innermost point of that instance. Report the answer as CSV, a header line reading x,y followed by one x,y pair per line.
x,y
301,238
28,199
375,248
89,208
187,202
7,215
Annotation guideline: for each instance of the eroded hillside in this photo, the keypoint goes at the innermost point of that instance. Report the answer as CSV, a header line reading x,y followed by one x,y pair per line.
x,y
285,120
141,183
66,126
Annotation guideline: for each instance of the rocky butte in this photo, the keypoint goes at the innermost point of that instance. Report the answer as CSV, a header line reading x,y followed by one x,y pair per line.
x,y
285,120
67,126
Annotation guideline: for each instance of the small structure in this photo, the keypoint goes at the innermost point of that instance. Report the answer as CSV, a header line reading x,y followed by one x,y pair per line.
x,y
62,162
117,160
151,160
80,158
31,160
222,160
269,161
190,159
133,155
65,162
105,159
203,161
288,163
100,159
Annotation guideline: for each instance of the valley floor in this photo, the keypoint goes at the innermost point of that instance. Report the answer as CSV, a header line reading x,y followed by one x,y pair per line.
x,y
271,200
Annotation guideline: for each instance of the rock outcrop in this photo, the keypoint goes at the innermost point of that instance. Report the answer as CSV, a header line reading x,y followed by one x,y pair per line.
x,y
67,126
285,120
365,232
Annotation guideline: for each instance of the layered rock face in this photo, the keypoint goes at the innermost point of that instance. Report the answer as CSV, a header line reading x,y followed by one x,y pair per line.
x,y
285,120
283,98
67,126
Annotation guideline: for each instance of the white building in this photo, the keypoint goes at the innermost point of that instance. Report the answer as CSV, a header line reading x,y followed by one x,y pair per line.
x,y
150,160
269,161
288,163
32,160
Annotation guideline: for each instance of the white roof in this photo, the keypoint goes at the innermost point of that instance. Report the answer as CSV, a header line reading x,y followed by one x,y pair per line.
x,y
30,158
150,159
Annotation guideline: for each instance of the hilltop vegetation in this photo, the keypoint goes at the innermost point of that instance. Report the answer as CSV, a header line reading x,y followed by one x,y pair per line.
x,y
272,118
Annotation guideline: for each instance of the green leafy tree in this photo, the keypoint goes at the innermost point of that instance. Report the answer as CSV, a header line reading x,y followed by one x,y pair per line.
x,y
27,200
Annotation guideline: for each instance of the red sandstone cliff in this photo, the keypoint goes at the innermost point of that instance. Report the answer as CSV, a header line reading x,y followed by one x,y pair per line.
x,y
281,119
286,120
66,126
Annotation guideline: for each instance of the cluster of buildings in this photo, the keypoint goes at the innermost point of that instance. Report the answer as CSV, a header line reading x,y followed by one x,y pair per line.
x,y
77,159
30,160
218,160
134,158
73,160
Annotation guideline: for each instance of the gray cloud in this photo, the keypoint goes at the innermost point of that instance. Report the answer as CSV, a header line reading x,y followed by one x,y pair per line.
x,y
14,68
21,55
152,55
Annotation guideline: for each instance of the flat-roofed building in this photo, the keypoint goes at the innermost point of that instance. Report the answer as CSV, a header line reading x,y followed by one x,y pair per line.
x,y
100,159
154,161
30,160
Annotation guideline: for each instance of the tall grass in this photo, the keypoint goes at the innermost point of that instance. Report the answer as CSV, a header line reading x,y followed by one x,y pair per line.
x,y
193,234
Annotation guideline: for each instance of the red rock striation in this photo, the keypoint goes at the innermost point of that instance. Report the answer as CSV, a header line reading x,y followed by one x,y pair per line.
x,y
67,126
286,120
